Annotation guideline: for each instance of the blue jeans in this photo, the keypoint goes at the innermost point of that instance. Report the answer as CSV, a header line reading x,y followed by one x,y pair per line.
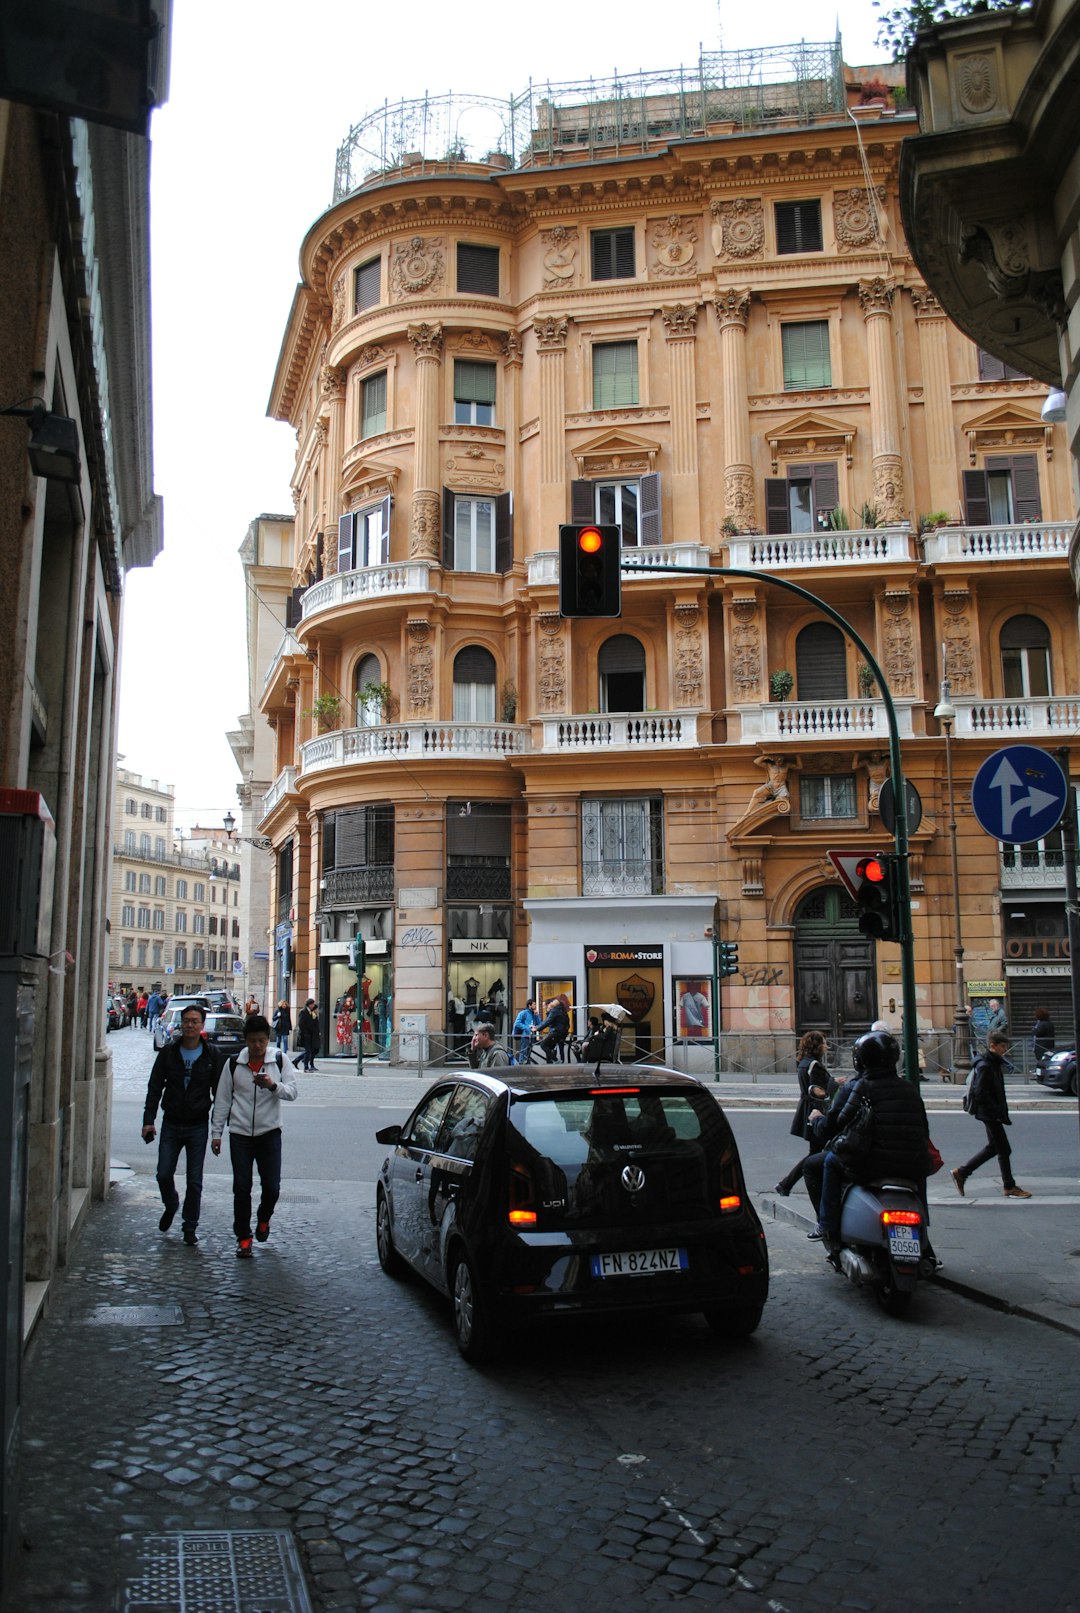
x,y
171,1140
833,1181
246,1153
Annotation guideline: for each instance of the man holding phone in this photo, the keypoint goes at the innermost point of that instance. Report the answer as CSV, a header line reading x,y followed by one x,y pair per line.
x,y
249,1097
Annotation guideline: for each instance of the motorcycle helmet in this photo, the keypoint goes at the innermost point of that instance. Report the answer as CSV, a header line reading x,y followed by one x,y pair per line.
x,y
876,1052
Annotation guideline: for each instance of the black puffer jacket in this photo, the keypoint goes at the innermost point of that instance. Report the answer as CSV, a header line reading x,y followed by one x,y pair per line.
x,y
183,1106
900,1127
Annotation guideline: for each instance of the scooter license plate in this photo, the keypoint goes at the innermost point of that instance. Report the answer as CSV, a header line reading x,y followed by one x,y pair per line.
x,y
904,1243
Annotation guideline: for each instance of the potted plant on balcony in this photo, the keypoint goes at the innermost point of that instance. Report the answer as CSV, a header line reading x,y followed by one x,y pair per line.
x,y
375,695
509,703
866,680
326,710
935,518
781,684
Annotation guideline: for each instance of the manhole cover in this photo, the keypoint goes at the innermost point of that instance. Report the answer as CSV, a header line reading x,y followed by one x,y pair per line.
x,y
227,1571
136,1316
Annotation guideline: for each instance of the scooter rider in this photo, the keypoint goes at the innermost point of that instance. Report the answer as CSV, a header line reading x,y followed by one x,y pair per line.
x,y
898,1146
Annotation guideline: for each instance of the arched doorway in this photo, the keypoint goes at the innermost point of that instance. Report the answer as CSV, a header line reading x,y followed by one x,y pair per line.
x,y
835,990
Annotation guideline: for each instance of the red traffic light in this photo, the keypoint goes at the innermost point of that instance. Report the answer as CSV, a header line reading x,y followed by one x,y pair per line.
x,y
872,869
590,540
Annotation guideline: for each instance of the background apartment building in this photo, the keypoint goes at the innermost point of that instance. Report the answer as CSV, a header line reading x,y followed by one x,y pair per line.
x,y
175,915
682,302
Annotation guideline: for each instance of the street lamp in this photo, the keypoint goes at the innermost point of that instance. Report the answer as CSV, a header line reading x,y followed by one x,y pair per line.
x,y
945,712
260,842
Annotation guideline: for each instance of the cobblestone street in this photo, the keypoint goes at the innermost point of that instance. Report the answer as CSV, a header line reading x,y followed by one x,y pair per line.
x,y
838,1459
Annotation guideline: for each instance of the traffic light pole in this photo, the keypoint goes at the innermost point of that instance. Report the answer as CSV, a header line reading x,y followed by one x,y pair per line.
x,y
900,829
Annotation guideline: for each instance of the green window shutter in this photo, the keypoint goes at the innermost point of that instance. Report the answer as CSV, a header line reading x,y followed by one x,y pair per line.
x,y
615,375
373,408
807,364
473,383
368,284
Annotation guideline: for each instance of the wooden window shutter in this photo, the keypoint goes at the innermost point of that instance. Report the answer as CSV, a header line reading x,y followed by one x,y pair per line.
x,y
826,488
504,531
777,518
649,510
478,269
820,663
582,501
448,528
976,498
1024,468
319,557
346,529
368,284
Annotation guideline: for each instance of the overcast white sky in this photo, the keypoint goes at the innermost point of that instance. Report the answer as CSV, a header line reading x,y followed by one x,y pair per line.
x,y
262,93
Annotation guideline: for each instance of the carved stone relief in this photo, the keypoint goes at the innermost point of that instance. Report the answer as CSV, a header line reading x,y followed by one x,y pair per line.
x,y
551,332
426,527
733,306
338,316
739,496
329,552
926,304
738,229
876,296
333,382
899,645
975,80
889,488
956,633
745,651
560,256
689,665
512,348
421,663
427,340
551,669
674,241
474,469
680,320
419,265
855,218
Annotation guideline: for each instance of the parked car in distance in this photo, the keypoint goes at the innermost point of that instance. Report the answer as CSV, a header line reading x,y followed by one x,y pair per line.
x,y
1058,1072
167,1028
116,1014
224,1032
222,1002
568,1191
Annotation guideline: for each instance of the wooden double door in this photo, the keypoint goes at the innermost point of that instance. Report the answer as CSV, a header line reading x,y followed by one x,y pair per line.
x,y
835,978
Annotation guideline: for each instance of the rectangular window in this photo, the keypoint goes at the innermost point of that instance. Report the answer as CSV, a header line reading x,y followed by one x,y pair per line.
x,y
612,254
474,534
144,918
181,923
147,809
373,405
798,227
198,958
142,954
367,285
144,883
159,847
181,956
615,375
157,954
129,840
159,918
125,953
806,355
364,537
198,923
477,270
830,795
144,845
617,504
622,852
474,393
160,815
1004,491
131,808
129,880
160,886
996,369
127,914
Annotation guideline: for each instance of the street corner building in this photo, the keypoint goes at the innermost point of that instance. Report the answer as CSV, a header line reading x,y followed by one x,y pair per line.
x,y
681,302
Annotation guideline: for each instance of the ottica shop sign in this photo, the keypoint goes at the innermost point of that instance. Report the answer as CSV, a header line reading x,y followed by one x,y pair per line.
x,y
601,956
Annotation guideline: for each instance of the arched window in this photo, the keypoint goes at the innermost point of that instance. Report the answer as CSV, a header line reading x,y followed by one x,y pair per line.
x,y
820,663
621,665
474,685
369,708
1025,658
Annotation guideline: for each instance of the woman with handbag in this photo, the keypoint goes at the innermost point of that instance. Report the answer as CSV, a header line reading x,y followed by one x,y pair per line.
x,y
816,1087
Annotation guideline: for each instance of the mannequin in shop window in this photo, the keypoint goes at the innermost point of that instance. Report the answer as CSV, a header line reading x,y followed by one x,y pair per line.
x,y
472,991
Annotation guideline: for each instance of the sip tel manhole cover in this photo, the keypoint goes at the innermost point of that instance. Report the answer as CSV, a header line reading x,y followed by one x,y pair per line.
x,y
220,1571
136,1316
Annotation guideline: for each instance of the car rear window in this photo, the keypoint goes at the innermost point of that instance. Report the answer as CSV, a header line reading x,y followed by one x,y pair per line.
x,y
570,1130
225,1022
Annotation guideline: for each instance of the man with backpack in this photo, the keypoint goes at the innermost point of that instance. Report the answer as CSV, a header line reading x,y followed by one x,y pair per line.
x,y
182,1081
985,1099
249,1097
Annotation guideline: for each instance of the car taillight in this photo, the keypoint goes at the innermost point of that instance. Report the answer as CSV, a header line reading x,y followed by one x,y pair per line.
x,y
901,1218
522,1218
521,1211
729,1202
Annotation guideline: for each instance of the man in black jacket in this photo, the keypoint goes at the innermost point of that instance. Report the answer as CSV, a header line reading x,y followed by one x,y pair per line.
x,y
183,1081
989,1104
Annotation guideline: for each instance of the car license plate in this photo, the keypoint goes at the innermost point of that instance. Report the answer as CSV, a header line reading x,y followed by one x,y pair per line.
x,y
904,1243
639,1262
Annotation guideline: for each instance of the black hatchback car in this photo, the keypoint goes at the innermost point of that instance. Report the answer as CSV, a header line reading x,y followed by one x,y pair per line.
x,y
525,1192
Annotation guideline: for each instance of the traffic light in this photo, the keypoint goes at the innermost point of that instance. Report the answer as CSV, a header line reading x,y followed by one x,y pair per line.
x,y
876,898
728,958
590,583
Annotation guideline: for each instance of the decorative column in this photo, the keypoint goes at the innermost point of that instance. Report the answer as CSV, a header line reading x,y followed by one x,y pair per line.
x,y
551,347
334,394
876,298
679,332
510,408
733,312
420,669
937,399
426,511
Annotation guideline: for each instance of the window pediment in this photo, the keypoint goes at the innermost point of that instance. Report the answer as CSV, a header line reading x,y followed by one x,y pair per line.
x,y
616,452
368,479
810,435
1004,428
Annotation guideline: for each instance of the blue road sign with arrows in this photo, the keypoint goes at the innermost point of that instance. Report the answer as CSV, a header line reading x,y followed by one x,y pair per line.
x,y
1019,794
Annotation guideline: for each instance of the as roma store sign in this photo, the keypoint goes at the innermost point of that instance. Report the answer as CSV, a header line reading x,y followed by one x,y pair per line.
x,y
632,975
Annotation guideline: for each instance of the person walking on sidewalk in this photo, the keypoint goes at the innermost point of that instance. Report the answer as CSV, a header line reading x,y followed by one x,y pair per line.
x,y
307,1034
282,1023
816,1087
182,1081
987,1102
249,1097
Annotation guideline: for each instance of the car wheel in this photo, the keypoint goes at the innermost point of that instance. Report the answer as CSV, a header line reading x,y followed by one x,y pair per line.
x,y
1072,1081
734,1322
389,1259
478,1337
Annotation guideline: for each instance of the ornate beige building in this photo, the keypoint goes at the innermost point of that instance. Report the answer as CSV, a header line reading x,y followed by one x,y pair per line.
x,y
691,311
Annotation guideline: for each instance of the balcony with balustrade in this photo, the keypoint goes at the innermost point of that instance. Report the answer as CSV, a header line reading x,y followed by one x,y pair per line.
x,y
823,551
619,731
413,741
1010,545
543,567
1032,868
1050,716
824,721
364,586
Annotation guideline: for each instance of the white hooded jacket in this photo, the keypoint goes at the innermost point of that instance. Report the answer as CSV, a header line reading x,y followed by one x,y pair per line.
x,y
252,1111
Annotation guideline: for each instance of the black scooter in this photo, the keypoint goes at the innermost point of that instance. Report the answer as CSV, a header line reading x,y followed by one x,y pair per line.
x,y
883,1242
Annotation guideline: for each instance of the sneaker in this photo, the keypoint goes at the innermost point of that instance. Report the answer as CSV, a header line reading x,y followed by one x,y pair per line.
x,y
1015,1192
243,1249
815,1236
262,1231
958,1177
168,1217
191,1237
783,1189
